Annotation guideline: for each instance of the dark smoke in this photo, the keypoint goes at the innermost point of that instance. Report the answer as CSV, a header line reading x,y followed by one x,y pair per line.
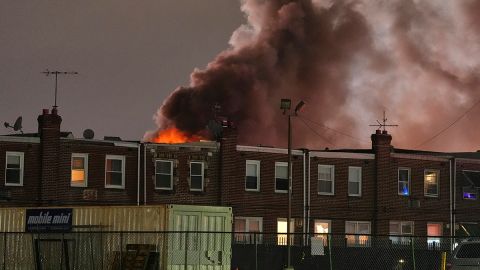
x,y
349,60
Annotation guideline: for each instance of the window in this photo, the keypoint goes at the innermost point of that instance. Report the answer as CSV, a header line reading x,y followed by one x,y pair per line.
x,y
399,229
164,174
358,233
79,170
321,228
196,176
252,175
404,181
434,231
115,171
471,183
14,169
326,176
282,230
246,229
354,181
281,177
431,183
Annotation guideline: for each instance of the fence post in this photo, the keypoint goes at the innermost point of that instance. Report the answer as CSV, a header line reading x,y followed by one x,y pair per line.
x,y
4,250
412,242
121,250
329,242
186,250
256,250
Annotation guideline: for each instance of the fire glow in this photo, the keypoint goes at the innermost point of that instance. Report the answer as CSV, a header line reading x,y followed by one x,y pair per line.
x,y
174,135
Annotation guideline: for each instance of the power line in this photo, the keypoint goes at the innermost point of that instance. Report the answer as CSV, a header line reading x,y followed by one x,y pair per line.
x,y
323,138
334,130
449,126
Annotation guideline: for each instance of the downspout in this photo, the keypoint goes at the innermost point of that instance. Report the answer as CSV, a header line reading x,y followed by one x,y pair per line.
x,y
308,197
138,173
145,174
305,223
454,194
451,205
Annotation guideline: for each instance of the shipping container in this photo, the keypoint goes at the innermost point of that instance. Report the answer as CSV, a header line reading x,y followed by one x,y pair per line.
x,y
106,237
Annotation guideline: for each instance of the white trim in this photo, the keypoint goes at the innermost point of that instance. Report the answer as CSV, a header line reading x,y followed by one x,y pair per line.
x,y
176,146
202,175
247,223
332,171
22,165
20,139
408,181
257,164
419,157
281,164
85,169
341,155
360,182
115,157
171,174
260,149
467,160
328,221
438,183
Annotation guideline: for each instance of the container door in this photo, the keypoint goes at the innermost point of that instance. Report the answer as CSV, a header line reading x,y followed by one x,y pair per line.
x,y
183,241
215,242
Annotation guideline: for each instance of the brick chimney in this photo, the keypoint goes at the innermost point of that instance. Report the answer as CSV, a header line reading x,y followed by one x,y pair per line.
x,y
228,158
381,146
49,132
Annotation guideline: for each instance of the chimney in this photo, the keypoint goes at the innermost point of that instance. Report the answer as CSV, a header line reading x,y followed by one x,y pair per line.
x,y
381,142
49,133
228,159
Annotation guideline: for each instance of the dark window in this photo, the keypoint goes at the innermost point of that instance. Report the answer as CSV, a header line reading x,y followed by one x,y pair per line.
x,y
14,169
114,171
196,176
281,177
163,174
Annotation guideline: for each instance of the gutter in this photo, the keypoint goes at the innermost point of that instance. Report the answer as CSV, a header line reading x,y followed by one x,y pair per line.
x,y
304,197
308,196
145,174
138,173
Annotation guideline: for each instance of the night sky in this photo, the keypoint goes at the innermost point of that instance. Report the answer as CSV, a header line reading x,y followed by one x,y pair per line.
x,y
129,55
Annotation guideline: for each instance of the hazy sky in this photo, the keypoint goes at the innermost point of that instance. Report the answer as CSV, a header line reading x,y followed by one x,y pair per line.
x,y
129,55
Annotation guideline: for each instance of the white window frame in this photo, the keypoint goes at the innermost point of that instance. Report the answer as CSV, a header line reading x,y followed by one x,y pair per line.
x,y
359,240
408,181
360,181
282,236
401,237
202,175
247,236
171,174
85,169
282,164
257,164
425,183
472,188
115,157
22,165
332,180
323,236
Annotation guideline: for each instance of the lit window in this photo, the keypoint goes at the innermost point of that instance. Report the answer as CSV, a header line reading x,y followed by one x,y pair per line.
x,y
434,232
431,183
326,179
79,170
354,181
282,230
281,177
252,175
357,233
404,181
321,229
196,176
14,169
164,174
399,229
115,171
247,229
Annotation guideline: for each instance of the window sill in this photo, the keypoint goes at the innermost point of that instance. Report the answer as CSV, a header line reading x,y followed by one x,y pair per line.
x,y
355,195
114,187
281,191
252,190
431,196
79,186
325,194
13,185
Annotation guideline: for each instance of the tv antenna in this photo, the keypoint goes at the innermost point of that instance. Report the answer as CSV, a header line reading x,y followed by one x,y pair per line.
x,y
383,124
17,126
56,73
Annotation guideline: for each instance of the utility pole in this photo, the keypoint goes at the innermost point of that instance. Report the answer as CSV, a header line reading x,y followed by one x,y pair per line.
x,y
56,73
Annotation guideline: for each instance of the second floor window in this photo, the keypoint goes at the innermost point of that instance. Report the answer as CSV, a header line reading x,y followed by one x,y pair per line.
x,y
252,175
281,177
164,174
404,181
354,181
431,178
115,171
79,171
326,179
14,169
196,176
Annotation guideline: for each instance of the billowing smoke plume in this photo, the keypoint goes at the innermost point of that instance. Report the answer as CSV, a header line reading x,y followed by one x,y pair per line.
x,y
349,61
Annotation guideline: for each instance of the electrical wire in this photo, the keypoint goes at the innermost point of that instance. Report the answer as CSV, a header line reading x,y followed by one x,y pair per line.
x,y
334,130
450,125
314,131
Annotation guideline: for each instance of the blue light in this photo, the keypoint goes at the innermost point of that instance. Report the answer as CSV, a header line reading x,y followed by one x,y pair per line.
x,y
405,190
467,195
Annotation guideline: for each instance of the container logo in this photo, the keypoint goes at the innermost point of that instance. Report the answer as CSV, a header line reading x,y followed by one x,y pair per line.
x,y
49,220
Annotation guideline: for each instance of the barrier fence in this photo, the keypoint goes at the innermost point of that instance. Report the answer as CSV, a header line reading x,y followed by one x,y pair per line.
x,y
219,251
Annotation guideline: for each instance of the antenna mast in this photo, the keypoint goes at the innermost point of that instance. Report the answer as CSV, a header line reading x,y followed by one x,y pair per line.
x,y
56,73
383,124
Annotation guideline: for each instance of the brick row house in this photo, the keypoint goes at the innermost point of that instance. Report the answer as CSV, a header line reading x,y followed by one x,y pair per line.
x,y
379,191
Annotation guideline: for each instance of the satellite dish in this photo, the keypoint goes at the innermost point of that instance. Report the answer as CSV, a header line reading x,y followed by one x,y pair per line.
x,y
18,124
88,134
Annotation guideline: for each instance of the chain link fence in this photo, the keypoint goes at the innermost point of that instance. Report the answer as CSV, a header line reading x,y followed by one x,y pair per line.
x,y
219,251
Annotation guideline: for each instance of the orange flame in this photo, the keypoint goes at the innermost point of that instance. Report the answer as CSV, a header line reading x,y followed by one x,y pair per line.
x,y
174,135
